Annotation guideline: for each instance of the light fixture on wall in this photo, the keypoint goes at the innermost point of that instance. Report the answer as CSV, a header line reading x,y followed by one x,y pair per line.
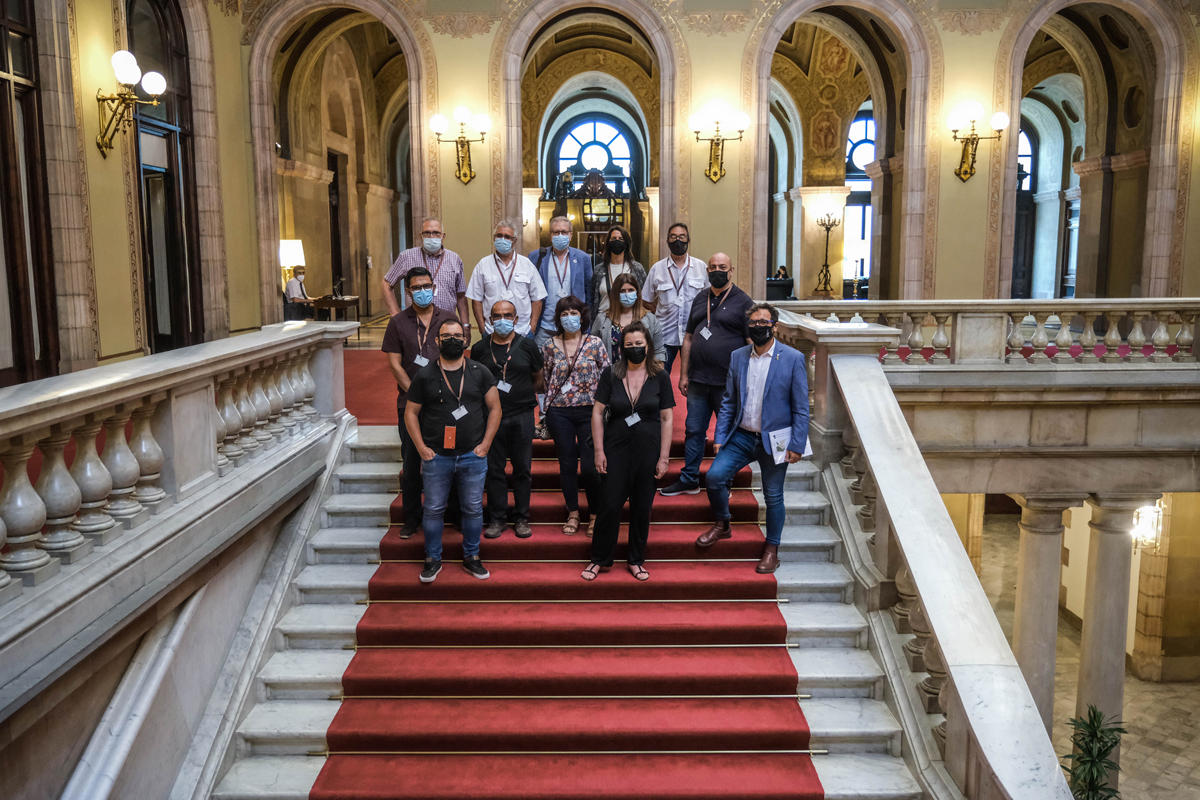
x,y
291,255
830,219
715,116
116,110
462,115
1147,528
967,114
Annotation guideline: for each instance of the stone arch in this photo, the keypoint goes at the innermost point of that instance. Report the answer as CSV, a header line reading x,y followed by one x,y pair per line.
x,y
791,126
264,33
922,52
1176,58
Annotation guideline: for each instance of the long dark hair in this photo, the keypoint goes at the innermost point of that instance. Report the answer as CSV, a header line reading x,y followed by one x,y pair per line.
x,y
620,365
625,237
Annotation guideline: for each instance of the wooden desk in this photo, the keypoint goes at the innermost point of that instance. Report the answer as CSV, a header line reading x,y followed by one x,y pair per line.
x,y
335,304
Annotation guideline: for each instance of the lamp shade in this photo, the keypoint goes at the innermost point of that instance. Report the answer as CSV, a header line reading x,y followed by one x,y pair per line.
x,y
291,253
439,124
125,67
154,83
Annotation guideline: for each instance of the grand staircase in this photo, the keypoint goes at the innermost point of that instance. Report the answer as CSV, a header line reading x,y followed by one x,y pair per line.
x,y
689,692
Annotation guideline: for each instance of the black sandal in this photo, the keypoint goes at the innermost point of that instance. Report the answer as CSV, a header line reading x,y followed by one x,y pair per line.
x,y
637,571
591,571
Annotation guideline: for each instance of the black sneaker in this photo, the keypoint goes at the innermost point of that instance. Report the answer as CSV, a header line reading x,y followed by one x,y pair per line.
x,y
494,530
430,573
410,530
474,566
679,487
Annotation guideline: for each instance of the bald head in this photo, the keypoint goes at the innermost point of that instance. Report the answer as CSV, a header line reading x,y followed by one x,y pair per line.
x,y
502,309
720,261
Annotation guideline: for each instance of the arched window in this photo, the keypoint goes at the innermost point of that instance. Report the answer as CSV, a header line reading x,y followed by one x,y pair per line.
x,y
170,232
597,144
860,151
28,317
1027,160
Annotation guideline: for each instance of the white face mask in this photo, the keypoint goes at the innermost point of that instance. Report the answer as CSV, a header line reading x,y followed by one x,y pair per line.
x,y
300,278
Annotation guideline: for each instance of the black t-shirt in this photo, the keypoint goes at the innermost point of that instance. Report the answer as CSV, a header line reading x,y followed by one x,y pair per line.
x,y
730,328
438,402
657,395
515,364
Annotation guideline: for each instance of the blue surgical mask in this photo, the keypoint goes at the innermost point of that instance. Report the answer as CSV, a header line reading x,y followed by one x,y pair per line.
x,y
503,246
423,297
560,241
571,324
432,245
503,326
628,298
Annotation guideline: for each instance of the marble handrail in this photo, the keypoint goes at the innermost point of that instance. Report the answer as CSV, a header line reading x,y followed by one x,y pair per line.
x,y
995,742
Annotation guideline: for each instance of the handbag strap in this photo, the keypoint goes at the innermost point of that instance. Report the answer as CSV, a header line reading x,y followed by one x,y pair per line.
x,y
570,368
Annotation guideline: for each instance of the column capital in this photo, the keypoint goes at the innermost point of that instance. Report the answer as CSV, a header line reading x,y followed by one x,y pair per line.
x,y
1113,513
1049,502
1043,514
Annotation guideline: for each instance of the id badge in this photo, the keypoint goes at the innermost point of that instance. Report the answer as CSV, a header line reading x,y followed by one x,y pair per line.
x,y
448,438
435,290
508,295
633,419
566,387
458,413
421,361
504,386
706,333
678,301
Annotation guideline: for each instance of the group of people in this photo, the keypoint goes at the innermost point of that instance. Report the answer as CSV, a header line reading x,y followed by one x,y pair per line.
x,y
591,344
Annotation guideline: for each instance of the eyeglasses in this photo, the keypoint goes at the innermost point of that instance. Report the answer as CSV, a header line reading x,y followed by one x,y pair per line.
x,y
420,286
506,236
758,324
433,234
677,238
457,337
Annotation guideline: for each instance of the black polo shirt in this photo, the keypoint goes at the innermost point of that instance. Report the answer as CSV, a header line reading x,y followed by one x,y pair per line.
x,y
730,327
438,402
406,335
514,363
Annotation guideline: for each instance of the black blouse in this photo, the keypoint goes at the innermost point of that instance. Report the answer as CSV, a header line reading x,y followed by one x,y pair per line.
x,y
657,395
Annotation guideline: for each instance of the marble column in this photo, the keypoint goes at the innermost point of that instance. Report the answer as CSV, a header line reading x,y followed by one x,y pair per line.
x,y
1106,605
1039,564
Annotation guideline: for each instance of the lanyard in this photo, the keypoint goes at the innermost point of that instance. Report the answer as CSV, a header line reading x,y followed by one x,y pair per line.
x,y
507,358
633,401
709,308
421,339
461,385
682,277
440,262
562,277
570,367
512,271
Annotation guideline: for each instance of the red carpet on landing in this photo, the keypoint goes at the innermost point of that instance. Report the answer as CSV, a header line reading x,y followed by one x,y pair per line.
x,y
536,684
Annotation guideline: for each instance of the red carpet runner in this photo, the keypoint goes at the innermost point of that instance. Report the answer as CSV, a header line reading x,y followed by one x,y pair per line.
x,y
505,688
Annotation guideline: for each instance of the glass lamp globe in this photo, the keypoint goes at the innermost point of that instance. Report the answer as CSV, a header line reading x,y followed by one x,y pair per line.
x,y
999,121
741,120
970,112
696,123
482,122
154,83
462,115
126,68
438,124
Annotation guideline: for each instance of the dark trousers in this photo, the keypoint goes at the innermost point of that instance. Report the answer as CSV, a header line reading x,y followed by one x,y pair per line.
x,y
672,352
703,400
410,480
630,477
571,429
513,442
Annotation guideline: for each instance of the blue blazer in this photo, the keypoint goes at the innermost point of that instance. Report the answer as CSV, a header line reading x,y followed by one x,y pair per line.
x,y
785,399
581,272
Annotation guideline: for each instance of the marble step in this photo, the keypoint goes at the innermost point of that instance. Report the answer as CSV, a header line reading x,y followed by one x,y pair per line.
x,y
346,545
825,625
837,672
801,477
360,510
848,776
340,584
809,543
304,674
814,582
840,725
804,508
376,443
367,477
320,626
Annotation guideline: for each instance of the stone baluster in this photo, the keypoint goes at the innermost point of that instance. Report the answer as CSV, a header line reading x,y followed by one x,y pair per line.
x,y
916,339
123,467
274,402
262,407
914,648
310,386
223,465
892,349
233,420
8,587
859,463
149,457
1016,339
1087,339
288,397
62,499
870,492
1185,339
297,378
95,484
1136,339
24,514
248,414
1040,339
1064,340
941,340
930,688
1112,339
939,730
850,440
833,317
906,590
1161,338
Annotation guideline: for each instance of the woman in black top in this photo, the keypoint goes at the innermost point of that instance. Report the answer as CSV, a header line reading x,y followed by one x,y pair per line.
x,y
631,447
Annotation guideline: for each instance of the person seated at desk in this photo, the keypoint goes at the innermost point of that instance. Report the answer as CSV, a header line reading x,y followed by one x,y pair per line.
x,y
297,303
781,274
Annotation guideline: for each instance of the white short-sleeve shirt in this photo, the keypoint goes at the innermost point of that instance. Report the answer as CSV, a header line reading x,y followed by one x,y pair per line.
x,y
673,305
517,282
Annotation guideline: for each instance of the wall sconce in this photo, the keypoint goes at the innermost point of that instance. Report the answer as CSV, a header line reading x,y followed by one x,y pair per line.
x,y
291,255
716,148
116,110
967,114
462,115
1147,528
829,220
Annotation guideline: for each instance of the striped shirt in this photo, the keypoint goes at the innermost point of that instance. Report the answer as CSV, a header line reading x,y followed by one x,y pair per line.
x,y
446,269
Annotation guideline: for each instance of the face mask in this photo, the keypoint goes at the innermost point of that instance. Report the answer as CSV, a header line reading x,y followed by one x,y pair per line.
x,y
616,247
503,326
571,324
423,297
300,278
760,335
503,246
678,248
635,355
628,298
431,244
718,279
451,349
560,240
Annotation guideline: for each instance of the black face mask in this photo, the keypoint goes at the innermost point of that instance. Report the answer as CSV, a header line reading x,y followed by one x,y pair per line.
x,y
616,246
678,248
718,278
760,335
635,355
451,349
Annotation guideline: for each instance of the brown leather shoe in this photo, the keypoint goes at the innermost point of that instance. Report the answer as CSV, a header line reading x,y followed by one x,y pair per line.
x,y
770,560
719,530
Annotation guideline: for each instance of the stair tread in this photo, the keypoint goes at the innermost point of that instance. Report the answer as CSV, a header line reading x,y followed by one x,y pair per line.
x,y
369,469
349,539
322,618
289,720
311,666
378,502
818,664
822,616
848,717
335,576
269,778
809,573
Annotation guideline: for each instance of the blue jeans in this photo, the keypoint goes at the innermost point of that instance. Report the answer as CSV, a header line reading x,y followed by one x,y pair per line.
x,y
703,400
743,447
672,353
438,473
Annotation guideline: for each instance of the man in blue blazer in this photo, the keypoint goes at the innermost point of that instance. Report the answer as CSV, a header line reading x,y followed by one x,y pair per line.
x,y
565,271
763,418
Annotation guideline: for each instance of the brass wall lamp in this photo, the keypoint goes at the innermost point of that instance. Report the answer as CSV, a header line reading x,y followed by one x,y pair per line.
x,y
116,110
462,115
967,114
716,148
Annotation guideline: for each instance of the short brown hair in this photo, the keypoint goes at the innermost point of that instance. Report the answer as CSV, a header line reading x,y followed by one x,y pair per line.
x,y
572,303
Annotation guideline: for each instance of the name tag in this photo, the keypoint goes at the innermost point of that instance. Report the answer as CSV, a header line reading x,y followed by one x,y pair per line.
x,y
421,361
567,387
435,290
508,295
459,412
504,386
706,333
633,419
521,277
678,301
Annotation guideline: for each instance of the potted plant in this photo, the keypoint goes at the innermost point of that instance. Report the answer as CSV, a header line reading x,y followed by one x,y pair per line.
x,y
1089,768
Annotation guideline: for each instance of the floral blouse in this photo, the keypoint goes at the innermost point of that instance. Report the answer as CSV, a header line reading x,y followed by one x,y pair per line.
x,y
581,391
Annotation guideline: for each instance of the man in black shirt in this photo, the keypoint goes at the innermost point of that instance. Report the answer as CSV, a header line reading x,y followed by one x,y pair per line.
x,y
716,326
453,413
516,364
